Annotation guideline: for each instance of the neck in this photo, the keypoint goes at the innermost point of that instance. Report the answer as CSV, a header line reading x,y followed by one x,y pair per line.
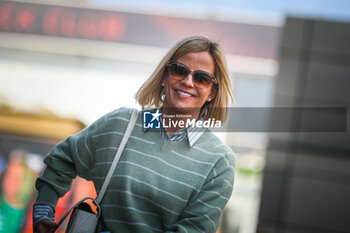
x,y
172,117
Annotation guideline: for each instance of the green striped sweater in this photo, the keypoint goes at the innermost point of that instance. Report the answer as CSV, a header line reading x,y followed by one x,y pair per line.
x,y
158,185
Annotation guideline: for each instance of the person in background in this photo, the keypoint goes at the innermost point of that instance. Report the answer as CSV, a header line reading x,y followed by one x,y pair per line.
x,y
16,189
176,179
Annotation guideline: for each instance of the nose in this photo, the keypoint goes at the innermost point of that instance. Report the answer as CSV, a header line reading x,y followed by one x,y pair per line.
x,y
188,81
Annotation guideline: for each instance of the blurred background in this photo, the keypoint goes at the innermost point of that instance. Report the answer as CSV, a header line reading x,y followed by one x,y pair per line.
x,y
63,64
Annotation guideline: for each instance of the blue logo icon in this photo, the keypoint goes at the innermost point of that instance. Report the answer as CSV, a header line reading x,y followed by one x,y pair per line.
x,y
151,120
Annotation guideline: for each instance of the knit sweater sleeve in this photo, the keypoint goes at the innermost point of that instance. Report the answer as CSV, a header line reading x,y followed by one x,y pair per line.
x,y
67,159
203,212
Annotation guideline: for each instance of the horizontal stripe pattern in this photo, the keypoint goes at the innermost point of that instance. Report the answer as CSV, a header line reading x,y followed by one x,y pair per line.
x,y
148,185
166,163
160,175
134,224
143,198
193,160
129,208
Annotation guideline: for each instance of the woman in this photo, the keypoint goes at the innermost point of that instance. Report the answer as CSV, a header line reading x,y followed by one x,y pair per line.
x,y
171,180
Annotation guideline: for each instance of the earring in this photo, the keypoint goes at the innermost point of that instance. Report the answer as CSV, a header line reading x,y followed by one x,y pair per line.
x,y
162,93
209,99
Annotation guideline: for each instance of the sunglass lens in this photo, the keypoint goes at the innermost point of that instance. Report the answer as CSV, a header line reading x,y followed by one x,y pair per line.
x,y
179,70
202,78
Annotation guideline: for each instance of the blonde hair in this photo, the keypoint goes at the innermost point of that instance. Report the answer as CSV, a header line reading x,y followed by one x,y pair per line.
x,y
150,93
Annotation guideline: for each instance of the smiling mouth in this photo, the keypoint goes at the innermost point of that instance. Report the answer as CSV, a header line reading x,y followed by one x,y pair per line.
x,y
183,93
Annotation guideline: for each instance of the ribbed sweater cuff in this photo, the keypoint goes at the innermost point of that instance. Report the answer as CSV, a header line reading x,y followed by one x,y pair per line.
x,y
47,196
41,212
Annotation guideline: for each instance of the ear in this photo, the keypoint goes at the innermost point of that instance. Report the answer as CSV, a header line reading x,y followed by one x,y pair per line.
x,y
212,94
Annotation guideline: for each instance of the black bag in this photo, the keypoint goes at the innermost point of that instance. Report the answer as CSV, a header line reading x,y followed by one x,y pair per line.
x,y
83,218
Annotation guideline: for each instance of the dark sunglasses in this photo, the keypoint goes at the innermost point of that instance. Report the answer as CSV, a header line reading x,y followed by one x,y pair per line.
x,y
180,71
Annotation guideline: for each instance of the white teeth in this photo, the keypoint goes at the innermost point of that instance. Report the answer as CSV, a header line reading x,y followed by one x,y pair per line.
x,y
183,93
